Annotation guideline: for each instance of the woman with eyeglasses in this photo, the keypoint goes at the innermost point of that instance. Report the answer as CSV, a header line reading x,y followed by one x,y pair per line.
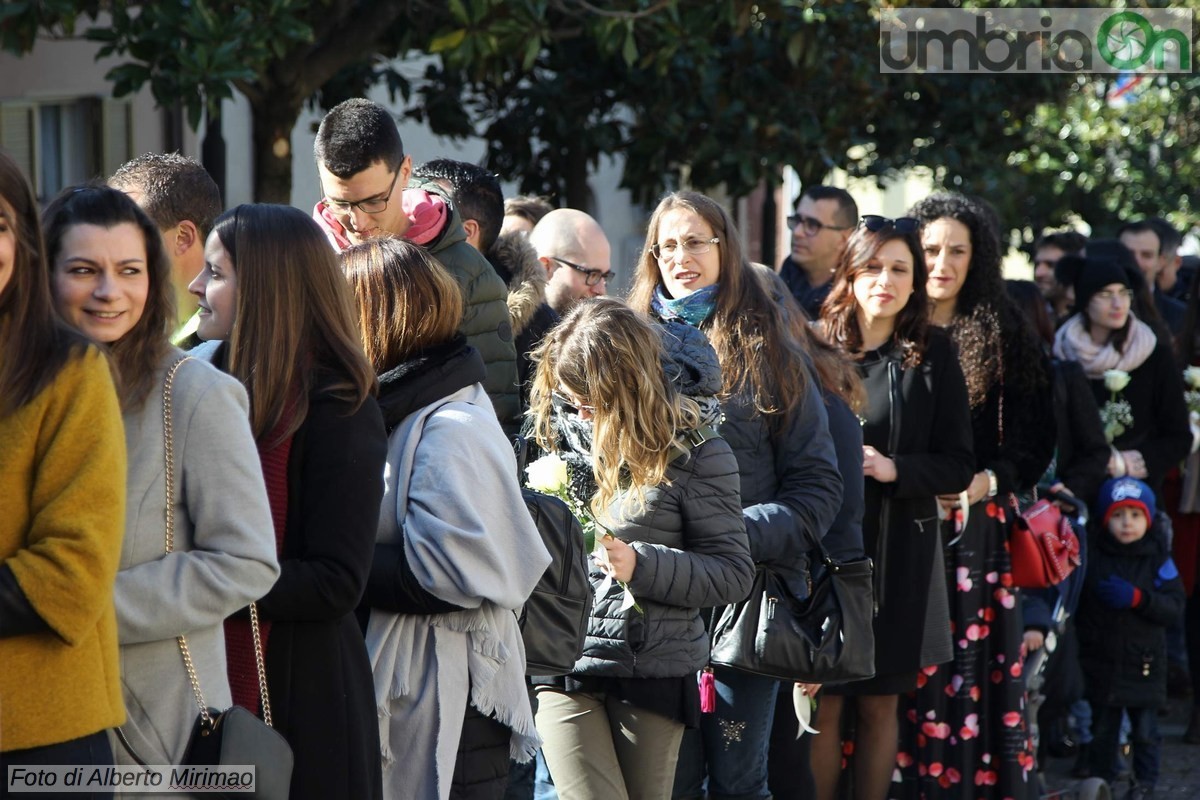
x,y
62,514
916,445
629,406
456,553
693,269
966,725
111,280
1150,434
275,299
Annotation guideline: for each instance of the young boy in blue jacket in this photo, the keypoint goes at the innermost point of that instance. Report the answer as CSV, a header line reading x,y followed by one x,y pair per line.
x,y
1132,592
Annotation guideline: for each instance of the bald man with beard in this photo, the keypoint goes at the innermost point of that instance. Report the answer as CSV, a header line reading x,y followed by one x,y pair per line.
x,y
575,254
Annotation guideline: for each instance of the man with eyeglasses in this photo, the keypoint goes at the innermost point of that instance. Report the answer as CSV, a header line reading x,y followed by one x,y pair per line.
x,y
824,219
365,190
575,254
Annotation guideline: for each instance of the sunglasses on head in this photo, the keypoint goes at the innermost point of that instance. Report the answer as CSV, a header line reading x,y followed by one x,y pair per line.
x,y
564,405
875,223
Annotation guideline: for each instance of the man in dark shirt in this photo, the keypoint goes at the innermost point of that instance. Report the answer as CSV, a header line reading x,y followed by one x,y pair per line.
x,y
824,219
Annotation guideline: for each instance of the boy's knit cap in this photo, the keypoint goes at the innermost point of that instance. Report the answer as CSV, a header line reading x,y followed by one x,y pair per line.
x,y
1126,491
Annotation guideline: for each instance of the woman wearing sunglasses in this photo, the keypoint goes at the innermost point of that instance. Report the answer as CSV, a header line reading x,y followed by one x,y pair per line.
x,y
916,445
976,699
693,269
627,404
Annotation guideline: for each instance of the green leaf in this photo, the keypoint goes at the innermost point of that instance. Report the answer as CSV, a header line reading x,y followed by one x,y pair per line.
x,y
448,41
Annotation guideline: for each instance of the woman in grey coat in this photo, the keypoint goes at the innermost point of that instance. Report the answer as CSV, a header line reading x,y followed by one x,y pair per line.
x,y
643,460
111,280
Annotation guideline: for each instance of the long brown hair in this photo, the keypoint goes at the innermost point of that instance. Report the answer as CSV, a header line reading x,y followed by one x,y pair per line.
x,y
294,315
759,356
406,301
139,352
34,343
839,313
834,371
611,356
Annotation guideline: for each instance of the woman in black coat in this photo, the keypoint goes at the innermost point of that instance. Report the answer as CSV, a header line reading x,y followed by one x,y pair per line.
x,y
916,446
1008,380
1106,335
271,289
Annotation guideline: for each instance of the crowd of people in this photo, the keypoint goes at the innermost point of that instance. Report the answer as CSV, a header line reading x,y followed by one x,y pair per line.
x,y
312,477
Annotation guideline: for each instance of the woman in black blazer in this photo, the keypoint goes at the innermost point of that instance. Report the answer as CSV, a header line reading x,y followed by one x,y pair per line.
x,y
916,446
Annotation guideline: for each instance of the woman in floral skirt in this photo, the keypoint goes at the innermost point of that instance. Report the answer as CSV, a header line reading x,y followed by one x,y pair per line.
x,y
963,734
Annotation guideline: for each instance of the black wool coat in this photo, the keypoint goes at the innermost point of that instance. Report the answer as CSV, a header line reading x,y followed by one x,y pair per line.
x,y
930,440
1124,652
1160,421
1083,452
318,672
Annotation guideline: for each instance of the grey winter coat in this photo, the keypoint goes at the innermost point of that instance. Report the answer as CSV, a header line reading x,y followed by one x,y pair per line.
x,y
224,554
692,553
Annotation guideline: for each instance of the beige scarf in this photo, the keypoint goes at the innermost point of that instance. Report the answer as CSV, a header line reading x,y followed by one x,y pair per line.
x,y
1074,343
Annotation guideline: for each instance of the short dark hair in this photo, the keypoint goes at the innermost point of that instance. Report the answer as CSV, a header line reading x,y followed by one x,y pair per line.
x,y
354,135
174,188
1072,243
1168,236
476,193
847,209
1141,226
528,206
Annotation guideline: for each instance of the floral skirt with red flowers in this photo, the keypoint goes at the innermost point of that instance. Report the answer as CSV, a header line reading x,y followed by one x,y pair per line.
x,y
963,732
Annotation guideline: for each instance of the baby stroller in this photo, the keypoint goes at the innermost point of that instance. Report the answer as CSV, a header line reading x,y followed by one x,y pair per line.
x,y
1052,608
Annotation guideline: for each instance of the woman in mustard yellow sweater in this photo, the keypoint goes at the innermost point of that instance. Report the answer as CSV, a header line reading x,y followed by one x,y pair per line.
x,y
62,513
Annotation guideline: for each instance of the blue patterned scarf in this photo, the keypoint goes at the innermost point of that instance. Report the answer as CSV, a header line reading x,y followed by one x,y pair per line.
x,y
695,308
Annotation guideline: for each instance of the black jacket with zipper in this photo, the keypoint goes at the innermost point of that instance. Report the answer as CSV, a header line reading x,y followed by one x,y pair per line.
x,y
1124,651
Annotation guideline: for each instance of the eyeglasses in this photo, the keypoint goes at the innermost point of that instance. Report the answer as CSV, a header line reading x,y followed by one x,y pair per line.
x,y
875,223
564,405
812,226
590,276
693,247
1107,296
372,205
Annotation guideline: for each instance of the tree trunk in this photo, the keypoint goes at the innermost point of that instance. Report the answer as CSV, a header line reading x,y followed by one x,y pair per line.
x,y
578,191
274,115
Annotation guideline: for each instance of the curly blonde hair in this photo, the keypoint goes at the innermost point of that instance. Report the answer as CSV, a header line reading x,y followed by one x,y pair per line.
x,y
610,357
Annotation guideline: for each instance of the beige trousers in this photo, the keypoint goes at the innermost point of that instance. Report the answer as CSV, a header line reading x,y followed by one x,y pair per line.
x,y
602,749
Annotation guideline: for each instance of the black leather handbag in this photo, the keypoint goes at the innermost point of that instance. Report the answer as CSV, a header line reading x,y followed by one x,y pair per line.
x,y
826,637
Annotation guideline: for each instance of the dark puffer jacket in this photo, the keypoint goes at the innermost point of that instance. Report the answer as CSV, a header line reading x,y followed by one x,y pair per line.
x,y
1124,652
692,553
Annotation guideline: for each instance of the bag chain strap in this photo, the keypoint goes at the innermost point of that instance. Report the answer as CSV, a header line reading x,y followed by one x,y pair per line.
x,y
169,455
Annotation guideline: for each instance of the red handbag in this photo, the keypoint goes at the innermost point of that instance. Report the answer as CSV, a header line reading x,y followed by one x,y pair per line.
x,y
1043,546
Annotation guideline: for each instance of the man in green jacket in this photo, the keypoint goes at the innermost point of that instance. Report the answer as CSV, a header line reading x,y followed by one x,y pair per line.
x,y
366,192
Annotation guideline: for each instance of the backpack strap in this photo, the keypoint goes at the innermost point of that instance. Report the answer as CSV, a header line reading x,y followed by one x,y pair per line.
x,y
699,436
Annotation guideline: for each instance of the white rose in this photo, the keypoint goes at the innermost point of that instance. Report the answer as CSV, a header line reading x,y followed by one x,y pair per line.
x,y
1191,376
547,474
1115,379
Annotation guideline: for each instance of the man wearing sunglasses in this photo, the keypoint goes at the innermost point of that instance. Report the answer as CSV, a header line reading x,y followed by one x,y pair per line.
x,y
824,219
575,254
365,191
